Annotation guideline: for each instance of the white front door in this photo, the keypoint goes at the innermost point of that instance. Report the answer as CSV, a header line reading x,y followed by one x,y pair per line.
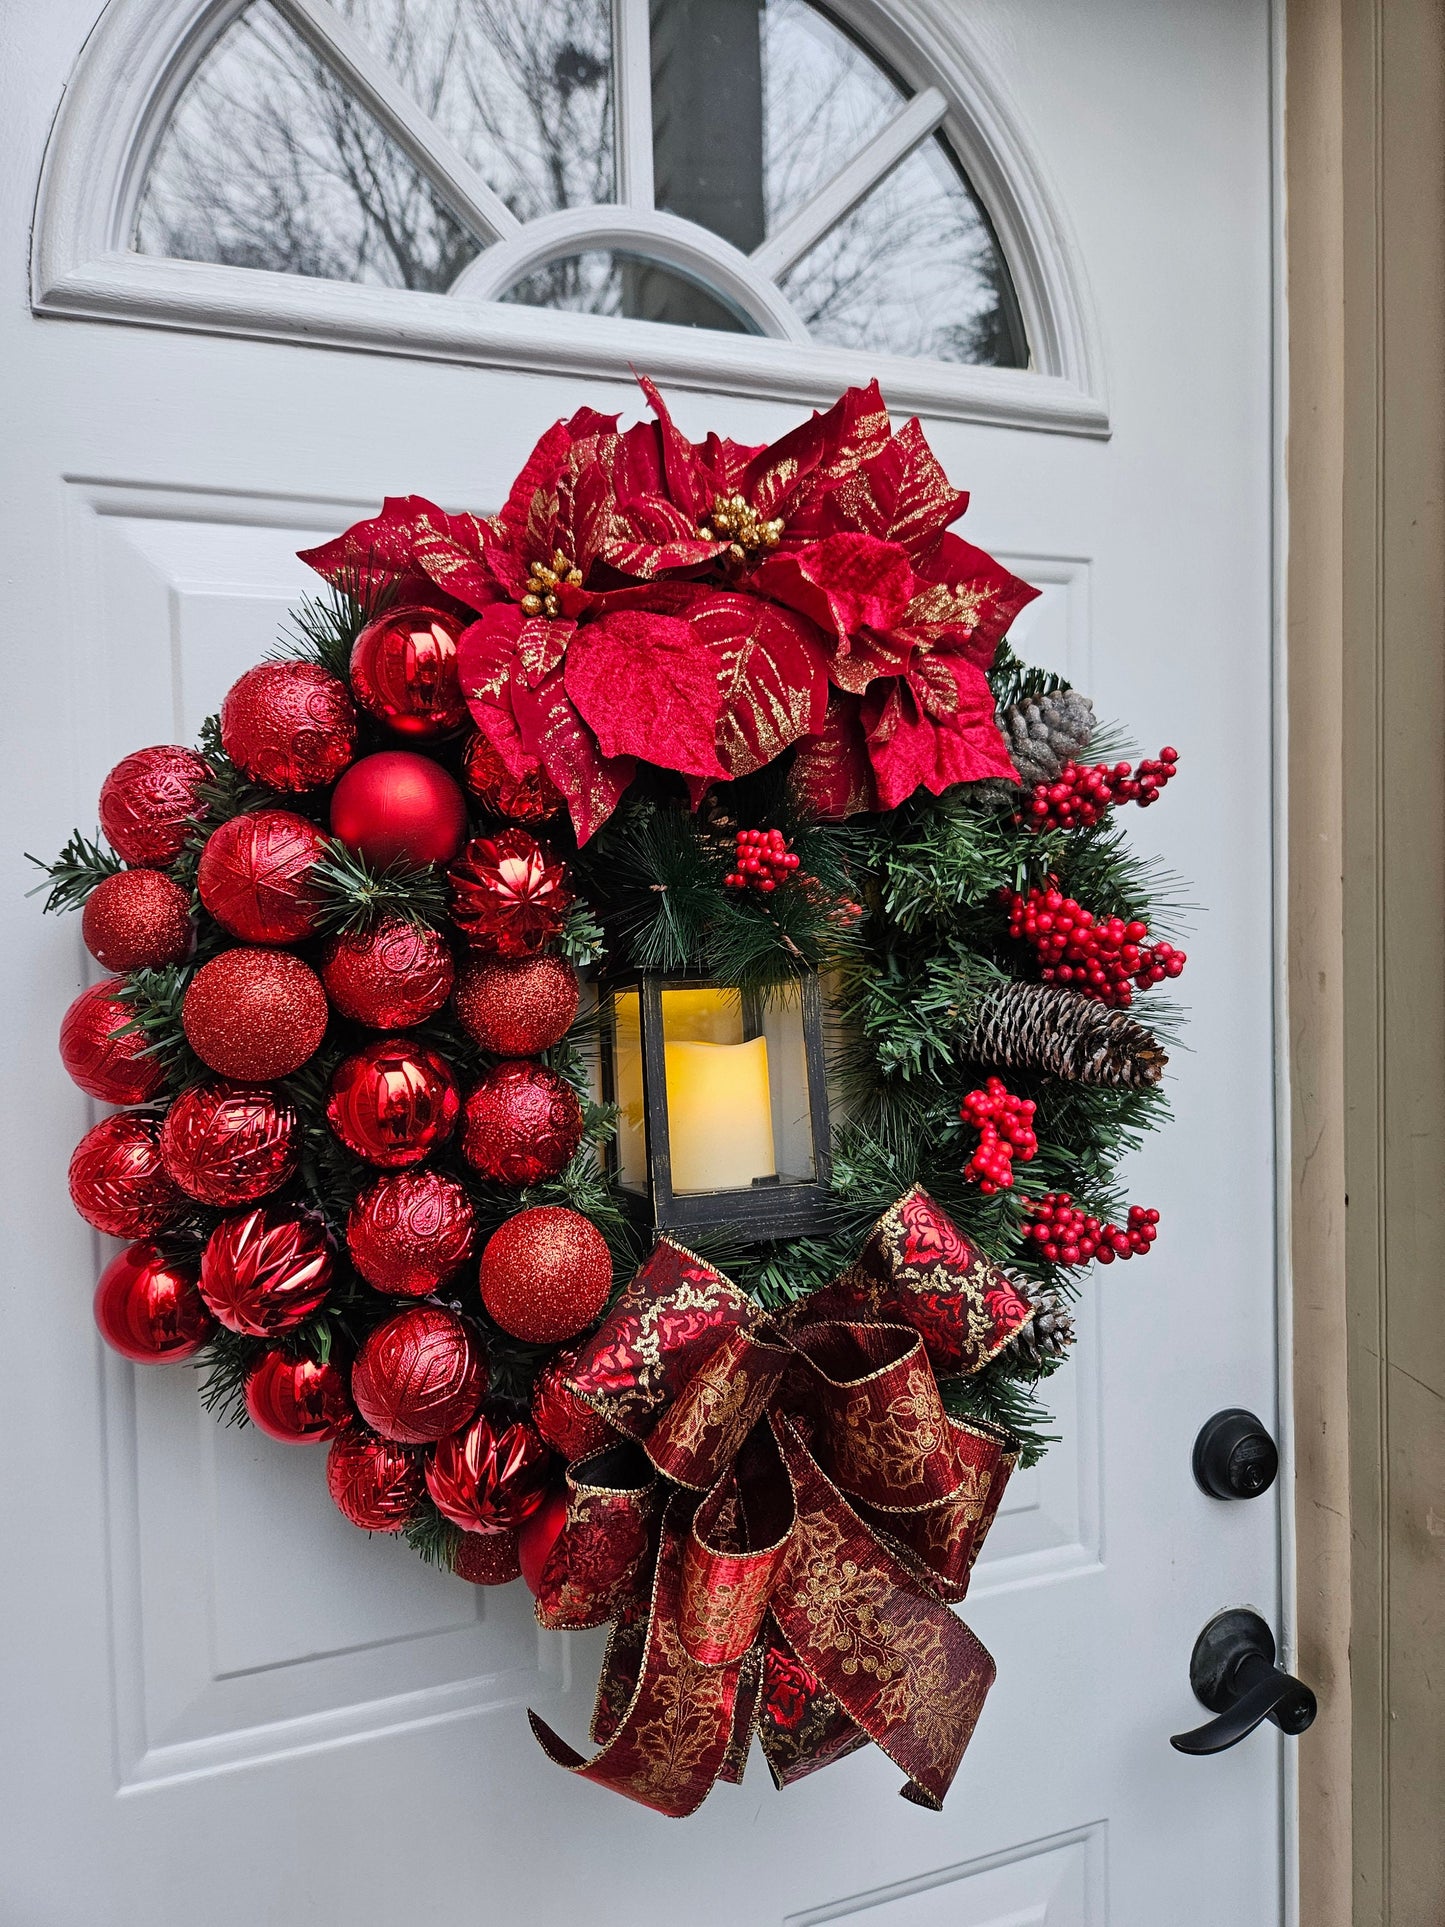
x,y
223,1706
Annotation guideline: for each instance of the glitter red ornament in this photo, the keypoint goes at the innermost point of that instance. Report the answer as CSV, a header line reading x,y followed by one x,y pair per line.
x,y
393,1102
299,1401
137,920
566,1422
509,895
523,1123
148,1307
148,800
229,1144
487,1558
518,1007
411,1231
265,1270
102,1056
404,672
255,876
418,1376
373,1481
492,1476
398,807
538,1536
254,1014
398,974
117,1180
289,725
533,798
546,1274
1005,1126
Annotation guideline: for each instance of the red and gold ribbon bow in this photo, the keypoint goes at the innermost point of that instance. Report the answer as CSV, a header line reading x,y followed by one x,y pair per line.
x,y
788,1515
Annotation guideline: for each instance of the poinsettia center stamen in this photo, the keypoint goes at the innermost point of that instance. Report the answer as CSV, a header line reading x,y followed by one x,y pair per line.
x,y
749,536
544,579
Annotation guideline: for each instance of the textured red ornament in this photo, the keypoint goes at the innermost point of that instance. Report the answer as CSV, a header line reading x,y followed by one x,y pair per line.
x,y
398,974
418,1376
523,1124
374,1481
227,1144
517,1007
254,1014
538,1536
393,1103
492,1476
410,1232
149,1309
104,1059
404,672
398,807
297,1400
487,1558
137,920
546,1274
509,894
255,876
533,798
117,1180
263,1271
148,800
566,1422
290,725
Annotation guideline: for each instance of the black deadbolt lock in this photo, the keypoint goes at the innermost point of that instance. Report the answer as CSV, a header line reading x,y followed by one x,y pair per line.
x,y
1235,1457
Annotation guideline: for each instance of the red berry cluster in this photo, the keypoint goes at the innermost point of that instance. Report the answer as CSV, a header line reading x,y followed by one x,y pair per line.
x,y
1100,957
1082,792
763,861
1005,1126
1068,1236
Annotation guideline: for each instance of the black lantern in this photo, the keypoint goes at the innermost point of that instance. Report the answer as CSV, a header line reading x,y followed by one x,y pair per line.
x,y
722,1101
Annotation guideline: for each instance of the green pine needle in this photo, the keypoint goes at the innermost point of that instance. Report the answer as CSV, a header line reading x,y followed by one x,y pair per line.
x,y
325,625
75,872
356,896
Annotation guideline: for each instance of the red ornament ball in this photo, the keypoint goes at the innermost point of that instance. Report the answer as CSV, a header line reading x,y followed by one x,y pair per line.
x,y
392,1103
517,1007
297,1400
149,1309
263,1271
289,725
566,1422
487,1558
398,974
137,920
538,1536
375,1482
226,1144
411,1231
398,807
490,1477
255,876
509,894
117,1180
102,1057
254,1014
148,800
523,1123
404,672
533,798
418,1376
546,1274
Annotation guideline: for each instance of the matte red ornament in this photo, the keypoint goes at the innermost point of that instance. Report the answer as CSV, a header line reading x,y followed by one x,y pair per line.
x,y
538,1536
546,1274
419,1376
101,1056
254,1014
289,725
374,1481
509,895
149,1309
533,798
229,1144
517,1007
487,1558
137,920
492,1476
404,672
117,1180
393,1102
255,876
523,1123
398,974
265,1270
148,800
398,807
411,1231
297,1400
566,1422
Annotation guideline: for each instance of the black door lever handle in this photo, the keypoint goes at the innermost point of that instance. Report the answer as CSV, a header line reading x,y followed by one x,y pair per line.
x,y
1233,1673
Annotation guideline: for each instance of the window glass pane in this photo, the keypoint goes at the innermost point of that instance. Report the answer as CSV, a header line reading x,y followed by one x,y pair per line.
x,y
601,281
824,98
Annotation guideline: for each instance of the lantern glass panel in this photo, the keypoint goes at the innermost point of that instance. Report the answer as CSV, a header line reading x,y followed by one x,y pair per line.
x,y
737,1090
629,1091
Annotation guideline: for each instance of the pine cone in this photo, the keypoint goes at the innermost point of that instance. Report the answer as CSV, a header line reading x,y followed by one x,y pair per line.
x,y
1044,1027
1044,733
1049,1333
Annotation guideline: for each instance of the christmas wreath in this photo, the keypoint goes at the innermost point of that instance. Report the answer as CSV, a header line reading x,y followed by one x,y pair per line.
x,y
625,1027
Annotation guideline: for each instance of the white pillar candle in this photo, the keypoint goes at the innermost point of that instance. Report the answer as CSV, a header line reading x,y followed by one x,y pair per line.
x,y
719,1115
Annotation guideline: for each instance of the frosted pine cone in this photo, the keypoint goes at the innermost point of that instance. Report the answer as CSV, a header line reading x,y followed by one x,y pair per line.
x,y
1048,1335
1043,733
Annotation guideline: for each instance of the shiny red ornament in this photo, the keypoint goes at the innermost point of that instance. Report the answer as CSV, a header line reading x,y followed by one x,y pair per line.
x,y
398,807
546,1274
229,1144
411,1231
393,1103
148,1309
419,1376
104,1058
117,1180
255,876
523,1124
566,1422
374,1482
289,725
509,895
517,1007
265,1270
487,1558
398,974
148,800
297,1400
538,1536
254,1014
404,672
137,920
533,798
492,1476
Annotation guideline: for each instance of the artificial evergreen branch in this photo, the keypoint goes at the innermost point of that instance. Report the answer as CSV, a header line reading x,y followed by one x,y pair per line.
x,y
75,872
155,999
355,896
1047,1028
225,1363
325,625
432,1537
